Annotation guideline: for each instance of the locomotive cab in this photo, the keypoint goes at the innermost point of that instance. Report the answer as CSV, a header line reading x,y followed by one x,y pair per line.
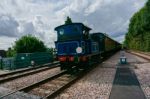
x,y
73,31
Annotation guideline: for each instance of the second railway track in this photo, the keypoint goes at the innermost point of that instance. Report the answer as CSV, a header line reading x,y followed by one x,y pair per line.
x,y
50,87
25,72
33,88
141,54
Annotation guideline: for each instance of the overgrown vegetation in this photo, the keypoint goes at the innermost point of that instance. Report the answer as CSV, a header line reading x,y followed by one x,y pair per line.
x,y
10,52
68,20
138,36
28,44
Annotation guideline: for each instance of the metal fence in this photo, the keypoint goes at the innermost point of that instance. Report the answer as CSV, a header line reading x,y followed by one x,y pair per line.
x,y
7,63
24,60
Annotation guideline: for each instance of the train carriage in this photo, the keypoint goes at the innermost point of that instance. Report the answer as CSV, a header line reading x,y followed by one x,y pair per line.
x,y
106,44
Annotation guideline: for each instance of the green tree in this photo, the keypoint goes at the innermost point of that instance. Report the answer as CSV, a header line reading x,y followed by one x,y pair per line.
x,y
10,52
68,20
29,44
50,50
138,36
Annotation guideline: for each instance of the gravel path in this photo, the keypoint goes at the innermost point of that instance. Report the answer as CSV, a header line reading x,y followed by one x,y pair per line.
x,y
142,71
143,74
3,71
24,81
95,85
144,55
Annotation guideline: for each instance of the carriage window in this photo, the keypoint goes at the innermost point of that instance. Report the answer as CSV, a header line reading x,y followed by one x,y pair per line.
x,y
86,34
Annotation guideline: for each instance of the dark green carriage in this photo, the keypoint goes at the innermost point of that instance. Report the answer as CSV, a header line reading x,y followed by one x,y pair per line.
x,y
106,44
100,38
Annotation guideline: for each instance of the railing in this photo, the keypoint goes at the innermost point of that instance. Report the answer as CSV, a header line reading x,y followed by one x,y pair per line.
x,y
12,64
7,63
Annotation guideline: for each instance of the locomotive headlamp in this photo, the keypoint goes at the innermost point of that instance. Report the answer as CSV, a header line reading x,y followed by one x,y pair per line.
x,y
61,31
79,50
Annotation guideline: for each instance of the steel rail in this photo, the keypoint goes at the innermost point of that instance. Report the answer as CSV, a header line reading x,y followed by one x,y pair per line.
x,y
25,73
140,55
67,85
27,69
29,87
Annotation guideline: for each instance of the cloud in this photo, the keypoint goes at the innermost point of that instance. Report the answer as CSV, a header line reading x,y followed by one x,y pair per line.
x,y
108,16
8,26
120,38
6,42
28,28
40,17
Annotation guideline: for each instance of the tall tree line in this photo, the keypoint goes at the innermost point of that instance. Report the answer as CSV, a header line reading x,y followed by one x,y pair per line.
x,y
138,36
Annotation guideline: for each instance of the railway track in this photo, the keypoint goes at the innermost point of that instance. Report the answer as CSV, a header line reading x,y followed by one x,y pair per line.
x,y
25,72
50,87
45,83
141,54
147,54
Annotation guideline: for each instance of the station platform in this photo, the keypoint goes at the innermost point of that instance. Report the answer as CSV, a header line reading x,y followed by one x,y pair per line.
x,y
126,84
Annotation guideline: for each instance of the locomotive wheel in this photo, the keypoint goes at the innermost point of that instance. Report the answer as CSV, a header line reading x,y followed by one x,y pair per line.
x,y
62,66
73,70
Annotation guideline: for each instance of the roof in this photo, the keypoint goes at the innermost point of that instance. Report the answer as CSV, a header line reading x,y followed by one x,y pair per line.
x,y
85,27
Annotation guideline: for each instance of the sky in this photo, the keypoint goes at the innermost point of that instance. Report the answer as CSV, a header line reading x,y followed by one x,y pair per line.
x,y
40,17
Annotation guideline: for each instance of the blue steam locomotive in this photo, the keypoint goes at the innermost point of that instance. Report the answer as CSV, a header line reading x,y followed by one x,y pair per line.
x,y
76,47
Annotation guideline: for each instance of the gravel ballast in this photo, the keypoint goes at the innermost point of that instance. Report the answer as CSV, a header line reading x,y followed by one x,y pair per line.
x,y
142,72
3,71
18,95
27,80
96,84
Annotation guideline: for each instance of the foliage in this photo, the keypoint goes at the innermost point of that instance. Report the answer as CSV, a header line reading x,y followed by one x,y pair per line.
x,y
68,20
10,52
29,44
138,36
52,51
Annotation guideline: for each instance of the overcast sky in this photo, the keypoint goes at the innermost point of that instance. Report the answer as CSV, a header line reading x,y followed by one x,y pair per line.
x,y
40,17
